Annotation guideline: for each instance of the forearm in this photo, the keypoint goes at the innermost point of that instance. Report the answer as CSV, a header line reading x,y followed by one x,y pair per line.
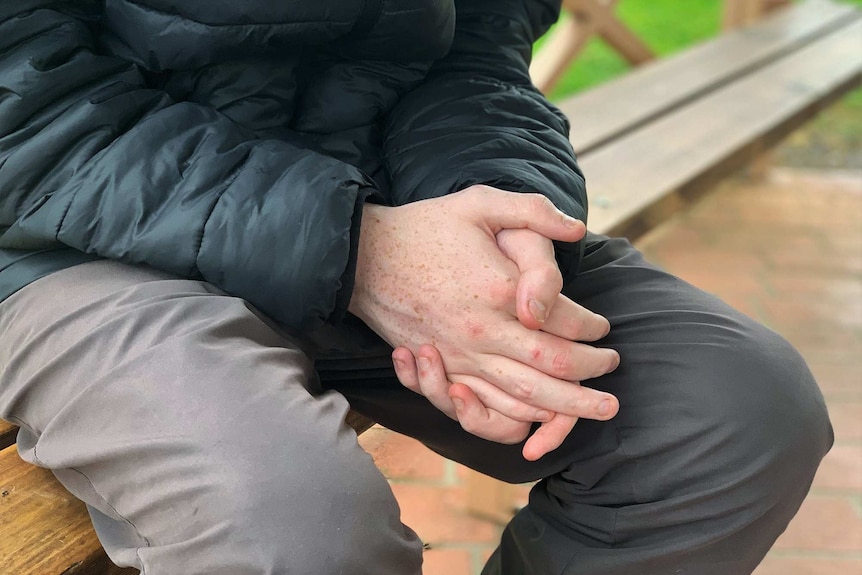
x,y
477,119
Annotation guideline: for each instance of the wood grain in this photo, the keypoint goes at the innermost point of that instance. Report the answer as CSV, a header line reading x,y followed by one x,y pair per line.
x,y
601,14
46,531
644,177
611,110
7,434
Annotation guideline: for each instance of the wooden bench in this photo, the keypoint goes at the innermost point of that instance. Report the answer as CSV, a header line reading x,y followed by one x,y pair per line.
x,y
650,143
652,140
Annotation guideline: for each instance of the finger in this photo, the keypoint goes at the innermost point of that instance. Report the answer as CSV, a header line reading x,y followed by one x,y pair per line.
x,y
574,322
540,281
499,210
492,397
553,355
482,422
536,388
433,382
548,437
405,368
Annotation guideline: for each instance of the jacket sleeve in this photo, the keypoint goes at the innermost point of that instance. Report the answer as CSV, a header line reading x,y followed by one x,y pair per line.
x,y
477,118
92,158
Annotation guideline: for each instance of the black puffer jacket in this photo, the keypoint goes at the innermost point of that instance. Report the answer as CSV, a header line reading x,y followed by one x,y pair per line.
x,y
236,141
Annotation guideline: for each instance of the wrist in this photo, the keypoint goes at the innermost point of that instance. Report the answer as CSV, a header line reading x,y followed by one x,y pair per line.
x,y
372,217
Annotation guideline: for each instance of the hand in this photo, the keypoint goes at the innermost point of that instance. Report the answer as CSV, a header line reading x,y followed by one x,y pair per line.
x,y
540,305
540,281
418,281
460,402
426,375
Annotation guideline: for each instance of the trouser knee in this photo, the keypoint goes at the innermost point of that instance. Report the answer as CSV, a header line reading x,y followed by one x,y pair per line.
x,y
782,423
700,471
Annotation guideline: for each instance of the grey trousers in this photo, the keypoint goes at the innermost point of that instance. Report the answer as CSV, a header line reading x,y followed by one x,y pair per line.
x,y
206,440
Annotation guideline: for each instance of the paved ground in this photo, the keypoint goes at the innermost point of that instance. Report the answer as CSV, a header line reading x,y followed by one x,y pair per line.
x,y
786,250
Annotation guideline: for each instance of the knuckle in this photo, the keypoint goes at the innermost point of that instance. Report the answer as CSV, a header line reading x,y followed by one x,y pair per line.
x,y
501,292
560,363
549,275
480,191
494,340
523,390
578,404
538,203
472,195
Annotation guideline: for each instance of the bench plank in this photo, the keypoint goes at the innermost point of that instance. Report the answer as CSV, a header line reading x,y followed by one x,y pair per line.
x,y
45,529
643,177
610,110
7,434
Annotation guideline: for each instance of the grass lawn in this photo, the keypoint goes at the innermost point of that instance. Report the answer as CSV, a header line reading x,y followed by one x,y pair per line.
x,y
667,26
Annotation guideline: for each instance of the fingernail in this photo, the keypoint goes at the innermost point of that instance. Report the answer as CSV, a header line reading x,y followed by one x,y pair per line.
x,y
424,363
398,364
543,415
459,405
538,310
604,407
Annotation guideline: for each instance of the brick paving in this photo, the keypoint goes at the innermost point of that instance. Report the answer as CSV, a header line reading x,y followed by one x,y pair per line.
x,y
786,250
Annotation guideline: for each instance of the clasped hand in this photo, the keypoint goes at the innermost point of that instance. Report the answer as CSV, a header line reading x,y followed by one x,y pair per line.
x,y
467,290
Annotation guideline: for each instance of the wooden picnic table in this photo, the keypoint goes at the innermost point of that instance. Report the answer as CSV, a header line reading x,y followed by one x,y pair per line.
x,y
589,18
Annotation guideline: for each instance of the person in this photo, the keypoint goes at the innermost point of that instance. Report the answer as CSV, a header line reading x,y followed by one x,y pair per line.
x,y
223,223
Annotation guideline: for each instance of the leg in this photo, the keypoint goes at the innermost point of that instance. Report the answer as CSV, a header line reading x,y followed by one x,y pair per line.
x,y
720,431
193,430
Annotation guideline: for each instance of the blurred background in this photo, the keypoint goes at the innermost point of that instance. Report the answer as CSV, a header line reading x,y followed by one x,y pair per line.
x,y
833,140
793,261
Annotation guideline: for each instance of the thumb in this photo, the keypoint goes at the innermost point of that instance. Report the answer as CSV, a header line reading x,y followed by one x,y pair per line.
x,y
499,210
540,281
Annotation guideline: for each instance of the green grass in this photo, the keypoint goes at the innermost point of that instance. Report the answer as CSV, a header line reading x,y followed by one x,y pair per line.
x,y
664,25
667,26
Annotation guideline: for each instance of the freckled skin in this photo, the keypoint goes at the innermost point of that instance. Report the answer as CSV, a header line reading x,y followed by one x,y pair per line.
x,y
475,330
431,272
413,281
